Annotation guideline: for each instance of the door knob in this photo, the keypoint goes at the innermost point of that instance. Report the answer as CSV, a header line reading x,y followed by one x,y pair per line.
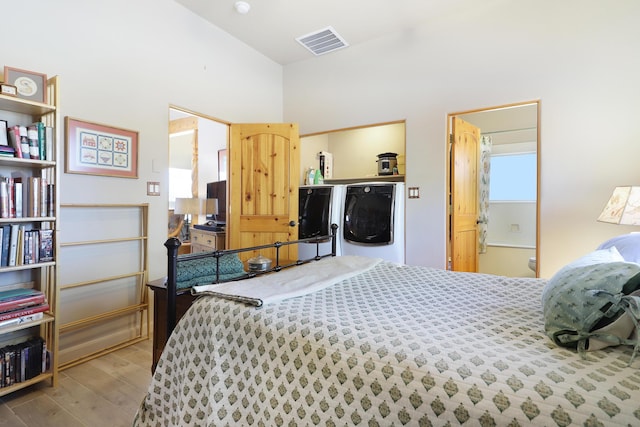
x,y
292,223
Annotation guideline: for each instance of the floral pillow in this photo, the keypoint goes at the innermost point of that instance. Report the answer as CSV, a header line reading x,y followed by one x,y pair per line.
x,y
589,294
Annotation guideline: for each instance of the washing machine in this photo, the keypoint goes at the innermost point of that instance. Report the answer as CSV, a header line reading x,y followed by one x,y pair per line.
x,y
319,207
373,220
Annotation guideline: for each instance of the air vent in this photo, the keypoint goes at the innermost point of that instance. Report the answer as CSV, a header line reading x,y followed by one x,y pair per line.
x,y
322,41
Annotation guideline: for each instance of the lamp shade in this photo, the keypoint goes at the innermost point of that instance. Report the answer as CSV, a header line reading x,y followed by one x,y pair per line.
x,y
188,206
211,206
623,207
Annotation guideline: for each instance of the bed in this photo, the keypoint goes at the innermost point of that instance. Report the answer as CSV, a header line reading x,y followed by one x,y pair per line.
x,y
389,345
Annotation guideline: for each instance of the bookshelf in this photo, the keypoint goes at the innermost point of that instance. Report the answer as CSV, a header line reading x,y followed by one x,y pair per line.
x,y
28,270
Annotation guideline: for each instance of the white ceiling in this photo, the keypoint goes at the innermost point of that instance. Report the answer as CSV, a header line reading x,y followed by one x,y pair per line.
x,y
272,26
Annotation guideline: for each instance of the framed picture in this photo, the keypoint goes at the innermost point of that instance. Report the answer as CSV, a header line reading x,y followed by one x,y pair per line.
x,y
96,149
29,85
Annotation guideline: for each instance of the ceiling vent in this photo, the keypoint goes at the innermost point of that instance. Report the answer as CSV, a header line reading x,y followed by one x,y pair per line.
x,y
322,41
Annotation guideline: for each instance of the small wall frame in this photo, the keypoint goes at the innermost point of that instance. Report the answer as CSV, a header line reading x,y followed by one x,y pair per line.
x,y
97,149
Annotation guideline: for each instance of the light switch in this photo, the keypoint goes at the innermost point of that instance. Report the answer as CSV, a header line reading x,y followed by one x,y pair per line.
x,y
414,192
153,188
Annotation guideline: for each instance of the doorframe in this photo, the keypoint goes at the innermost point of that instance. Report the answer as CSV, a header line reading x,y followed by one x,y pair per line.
x,y
449,204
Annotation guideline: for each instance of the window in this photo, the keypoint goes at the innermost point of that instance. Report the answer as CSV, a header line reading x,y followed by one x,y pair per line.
x,y
513,177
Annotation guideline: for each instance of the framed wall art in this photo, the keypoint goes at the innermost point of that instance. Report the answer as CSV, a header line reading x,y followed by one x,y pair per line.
x,y
29,84
96,149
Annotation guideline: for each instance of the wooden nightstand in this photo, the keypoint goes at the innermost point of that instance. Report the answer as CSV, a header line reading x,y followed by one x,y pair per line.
x,y
184,300
206,241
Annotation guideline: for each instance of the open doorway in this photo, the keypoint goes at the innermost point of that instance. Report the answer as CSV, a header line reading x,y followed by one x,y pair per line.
x,y
506,164
196,143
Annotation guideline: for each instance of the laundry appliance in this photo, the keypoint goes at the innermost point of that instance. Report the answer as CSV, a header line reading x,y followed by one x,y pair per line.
x,y
319,207
373,220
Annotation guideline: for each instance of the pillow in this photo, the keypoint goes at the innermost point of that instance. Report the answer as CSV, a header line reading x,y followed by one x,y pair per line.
x,y
627,244
202,271
587,295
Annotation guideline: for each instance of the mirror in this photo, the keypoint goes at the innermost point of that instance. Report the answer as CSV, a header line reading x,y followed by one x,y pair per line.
x,y
510,135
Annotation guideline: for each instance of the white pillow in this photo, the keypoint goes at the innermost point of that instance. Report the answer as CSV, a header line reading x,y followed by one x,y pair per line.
x,y
627,244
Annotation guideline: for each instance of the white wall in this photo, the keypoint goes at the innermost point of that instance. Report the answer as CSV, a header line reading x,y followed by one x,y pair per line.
x,y
576,56
122,63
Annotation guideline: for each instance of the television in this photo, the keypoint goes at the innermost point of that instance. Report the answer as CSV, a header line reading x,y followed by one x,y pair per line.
x,y
218,190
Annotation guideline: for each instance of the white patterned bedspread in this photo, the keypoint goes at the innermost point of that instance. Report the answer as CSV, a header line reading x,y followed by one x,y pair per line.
x,y
396,345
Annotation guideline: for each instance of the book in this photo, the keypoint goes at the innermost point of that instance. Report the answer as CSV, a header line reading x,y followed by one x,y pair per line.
x,y
18,190
46,246
7,151
33,193
48,142
4,197
14,140
21,319
4,141
11,195
34,143
40,130
13,244
51,199
40,308
14,299
4,252
24,142
20,246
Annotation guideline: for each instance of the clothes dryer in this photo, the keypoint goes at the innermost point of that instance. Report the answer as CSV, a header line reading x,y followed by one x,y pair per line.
x,y
373,220
319,207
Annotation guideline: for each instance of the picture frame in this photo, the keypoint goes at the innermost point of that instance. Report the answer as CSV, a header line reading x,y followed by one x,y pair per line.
x,y
9,90
29,84
98,149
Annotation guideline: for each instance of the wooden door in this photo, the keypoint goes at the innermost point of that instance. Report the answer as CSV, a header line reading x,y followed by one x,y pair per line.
x,y
264,170
464,196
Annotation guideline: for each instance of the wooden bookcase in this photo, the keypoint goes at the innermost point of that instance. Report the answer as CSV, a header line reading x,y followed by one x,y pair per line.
x,y
38,275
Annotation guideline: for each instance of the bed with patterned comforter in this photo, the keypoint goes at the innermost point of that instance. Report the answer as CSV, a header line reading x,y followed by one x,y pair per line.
x,y
395,345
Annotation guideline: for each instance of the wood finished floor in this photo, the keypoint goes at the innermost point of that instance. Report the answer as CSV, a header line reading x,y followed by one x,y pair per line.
x,y
102,392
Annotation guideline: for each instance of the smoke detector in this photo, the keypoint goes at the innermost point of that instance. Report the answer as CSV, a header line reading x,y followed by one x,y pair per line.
x,y
242,7
322,41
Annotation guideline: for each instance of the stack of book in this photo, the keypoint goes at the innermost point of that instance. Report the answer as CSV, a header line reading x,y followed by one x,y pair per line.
x,y
22,305
7,151
26,360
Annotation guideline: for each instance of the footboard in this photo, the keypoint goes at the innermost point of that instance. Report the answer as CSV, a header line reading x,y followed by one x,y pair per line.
x,y
173,264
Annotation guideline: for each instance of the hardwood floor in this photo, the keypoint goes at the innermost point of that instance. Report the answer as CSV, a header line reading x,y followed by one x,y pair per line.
x,y
102,392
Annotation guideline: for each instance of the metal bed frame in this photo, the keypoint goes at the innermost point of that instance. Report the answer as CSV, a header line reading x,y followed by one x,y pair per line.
x,y
173,244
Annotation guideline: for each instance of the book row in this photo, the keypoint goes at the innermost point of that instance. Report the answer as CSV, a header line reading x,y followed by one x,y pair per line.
x,y
34,141
26,196
19,246
21,362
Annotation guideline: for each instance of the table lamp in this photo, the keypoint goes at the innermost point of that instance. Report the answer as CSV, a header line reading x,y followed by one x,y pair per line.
x,y
188,207
623,207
